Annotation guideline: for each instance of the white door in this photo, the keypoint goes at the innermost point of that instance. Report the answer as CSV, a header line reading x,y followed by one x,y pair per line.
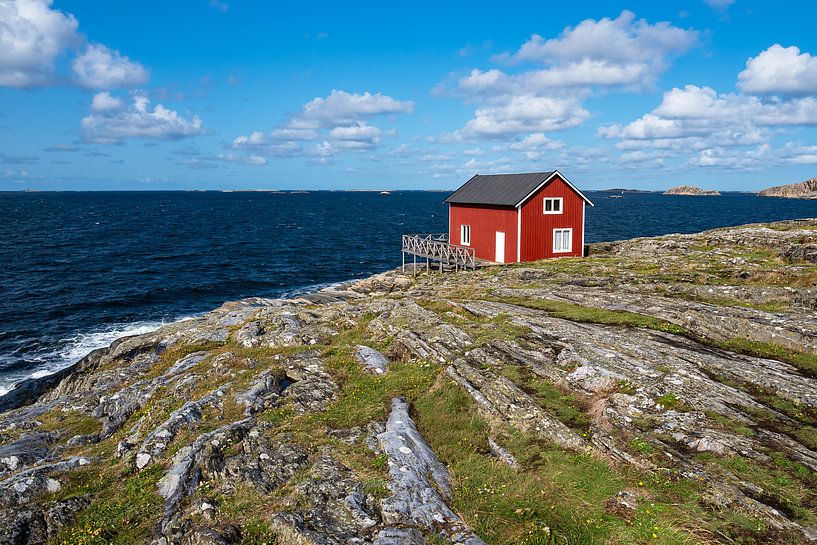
x,y
500,247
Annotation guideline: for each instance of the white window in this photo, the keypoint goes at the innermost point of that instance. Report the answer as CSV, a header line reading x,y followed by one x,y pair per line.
x,y
465,235
552,205
562,241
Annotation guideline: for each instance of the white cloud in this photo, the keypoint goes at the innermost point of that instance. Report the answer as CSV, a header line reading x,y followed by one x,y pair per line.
x,y
623,44
255,138
584,75
536,142
32,37
253,160
799,154
340,120
532,146
103,102
780,71
342,108
139,121
525,114
102,68
718,157
596,55
698,117
491,166
294,134
401,151
257,143
641,156
622,52
358,136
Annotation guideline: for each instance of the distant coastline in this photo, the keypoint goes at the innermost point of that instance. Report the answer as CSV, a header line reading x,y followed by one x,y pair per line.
x,y
692,190
625,190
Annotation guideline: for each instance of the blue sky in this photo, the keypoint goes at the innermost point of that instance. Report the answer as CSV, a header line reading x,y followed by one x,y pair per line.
x,y
222,94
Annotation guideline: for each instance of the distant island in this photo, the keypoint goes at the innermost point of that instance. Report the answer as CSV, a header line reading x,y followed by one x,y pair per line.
x,y
802,190
690,190
623,190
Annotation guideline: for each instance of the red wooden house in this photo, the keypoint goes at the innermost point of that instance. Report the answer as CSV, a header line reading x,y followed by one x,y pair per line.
x,y
518,217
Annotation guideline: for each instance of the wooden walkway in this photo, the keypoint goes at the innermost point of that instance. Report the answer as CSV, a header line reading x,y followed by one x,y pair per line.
x,y
436,248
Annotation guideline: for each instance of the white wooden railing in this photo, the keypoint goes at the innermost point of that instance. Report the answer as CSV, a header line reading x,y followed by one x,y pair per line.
x,y
436,247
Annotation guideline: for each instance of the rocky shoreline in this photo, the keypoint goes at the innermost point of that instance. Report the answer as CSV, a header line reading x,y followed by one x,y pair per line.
x,y
661,390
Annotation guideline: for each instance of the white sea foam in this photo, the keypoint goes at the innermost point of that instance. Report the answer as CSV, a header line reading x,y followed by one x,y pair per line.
x,y
70,350
73,349
312,288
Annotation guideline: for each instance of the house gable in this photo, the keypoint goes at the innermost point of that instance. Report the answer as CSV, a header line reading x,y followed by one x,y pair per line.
x,y
555,175
537,228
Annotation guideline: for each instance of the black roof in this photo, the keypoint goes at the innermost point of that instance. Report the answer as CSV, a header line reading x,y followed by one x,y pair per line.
x,y
498,189
504,189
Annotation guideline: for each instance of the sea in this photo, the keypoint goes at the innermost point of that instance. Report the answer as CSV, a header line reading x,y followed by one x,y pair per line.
x,y
81,269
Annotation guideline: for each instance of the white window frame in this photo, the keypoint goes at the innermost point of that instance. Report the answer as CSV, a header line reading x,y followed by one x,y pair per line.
x,y
569,231
465,230
560,200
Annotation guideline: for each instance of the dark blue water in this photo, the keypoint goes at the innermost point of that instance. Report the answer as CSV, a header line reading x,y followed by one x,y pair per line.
x,y
80,269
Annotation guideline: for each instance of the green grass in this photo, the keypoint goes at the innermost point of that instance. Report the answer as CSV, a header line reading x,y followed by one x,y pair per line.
x,y
723,301
672,402
70,423
499,327
565,406
729,424
802,428
641,446
366,397
123,510
803,423
789,486
257,531
562,491
804,361
595,315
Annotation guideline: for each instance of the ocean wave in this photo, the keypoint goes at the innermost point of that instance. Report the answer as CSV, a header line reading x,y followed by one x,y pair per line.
x,y
72,349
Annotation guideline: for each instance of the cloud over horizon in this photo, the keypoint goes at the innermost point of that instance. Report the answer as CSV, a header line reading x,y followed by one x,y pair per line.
x,y
340,120
624,53
112,122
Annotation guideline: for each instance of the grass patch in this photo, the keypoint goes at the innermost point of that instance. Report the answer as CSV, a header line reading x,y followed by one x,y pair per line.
x,y
789,486
565,406
729,424
561,491
672,402
70,423
595,315
804,426
723,301
639,445
803,431
366,397
123,511
257,531
805,362
498,328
